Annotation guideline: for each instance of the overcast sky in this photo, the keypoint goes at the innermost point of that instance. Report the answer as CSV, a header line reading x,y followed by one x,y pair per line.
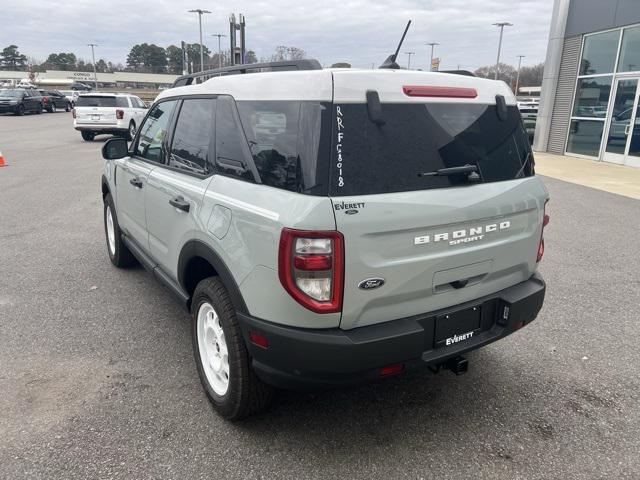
x,y
356,31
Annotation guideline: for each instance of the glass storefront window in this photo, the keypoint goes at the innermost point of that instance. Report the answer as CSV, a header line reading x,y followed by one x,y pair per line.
x,y
592,97
585,137
599,53
630,51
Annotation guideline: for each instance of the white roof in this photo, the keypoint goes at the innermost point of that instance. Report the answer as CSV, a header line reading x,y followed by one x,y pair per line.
x,y
105,94
344,86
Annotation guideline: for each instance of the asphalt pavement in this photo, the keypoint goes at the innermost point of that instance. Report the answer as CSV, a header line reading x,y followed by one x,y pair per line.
x,y
97,378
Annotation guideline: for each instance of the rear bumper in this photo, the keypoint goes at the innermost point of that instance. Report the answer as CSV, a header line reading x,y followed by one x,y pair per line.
x,y
307,358
98,128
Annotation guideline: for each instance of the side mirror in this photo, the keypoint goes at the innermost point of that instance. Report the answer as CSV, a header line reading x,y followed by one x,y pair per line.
x,y
115,148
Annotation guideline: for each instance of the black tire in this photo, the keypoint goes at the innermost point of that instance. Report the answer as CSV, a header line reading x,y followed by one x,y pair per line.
x,y
120,256
131,132
87,136
40,109
68,107
20,110
51,108
246,393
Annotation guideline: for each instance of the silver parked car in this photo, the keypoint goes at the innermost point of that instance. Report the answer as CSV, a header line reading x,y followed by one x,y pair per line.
x,y
327,227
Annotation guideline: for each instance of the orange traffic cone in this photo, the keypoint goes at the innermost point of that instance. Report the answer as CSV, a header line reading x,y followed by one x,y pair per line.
x,y
2,161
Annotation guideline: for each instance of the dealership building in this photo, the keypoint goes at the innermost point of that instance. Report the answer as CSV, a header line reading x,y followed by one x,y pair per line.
x,y
65,78
589,103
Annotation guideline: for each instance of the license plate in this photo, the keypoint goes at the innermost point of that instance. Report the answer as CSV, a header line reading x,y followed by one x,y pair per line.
x,y
95,117
458,327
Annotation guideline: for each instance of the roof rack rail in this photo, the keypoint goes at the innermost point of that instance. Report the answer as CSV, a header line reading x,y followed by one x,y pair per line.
x,y
466,73
199,77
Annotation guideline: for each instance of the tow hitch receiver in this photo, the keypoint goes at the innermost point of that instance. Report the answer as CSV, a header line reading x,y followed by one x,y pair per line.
x,y
457,365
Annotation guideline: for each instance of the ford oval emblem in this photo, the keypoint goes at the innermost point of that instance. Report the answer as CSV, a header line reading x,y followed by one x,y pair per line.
x,y
351,212
371,283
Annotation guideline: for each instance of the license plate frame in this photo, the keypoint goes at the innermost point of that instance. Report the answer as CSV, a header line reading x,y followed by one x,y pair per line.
x,y
457,327
95,117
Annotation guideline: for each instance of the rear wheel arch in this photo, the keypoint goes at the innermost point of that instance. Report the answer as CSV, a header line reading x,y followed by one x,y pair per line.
x,y
198,261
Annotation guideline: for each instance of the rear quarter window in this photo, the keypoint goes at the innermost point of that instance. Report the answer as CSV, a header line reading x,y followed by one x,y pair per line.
x,y
289,143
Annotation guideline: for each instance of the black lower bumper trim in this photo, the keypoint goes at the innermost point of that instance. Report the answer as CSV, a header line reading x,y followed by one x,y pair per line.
x,y
307,358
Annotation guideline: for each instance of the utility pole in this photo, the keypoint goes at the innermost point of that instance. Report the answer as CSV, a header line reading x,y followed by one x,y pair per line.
x,y
433,44
520,57
200,12
501,25
219,35
409,61
93,57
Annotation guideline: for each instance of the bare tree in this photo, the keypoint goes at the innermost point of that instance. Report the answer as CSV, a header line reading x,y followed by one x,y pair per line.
x,y
506,73
284,53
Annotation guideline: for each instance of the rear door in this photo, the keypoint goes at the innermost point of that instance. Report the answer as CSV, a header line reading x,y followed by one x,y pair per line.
x,y
132,173
96,109
176,190
415,244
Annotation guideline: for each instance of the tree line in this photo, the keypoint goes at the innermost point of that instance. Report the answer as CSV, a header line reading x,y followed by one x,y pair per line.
x,y
151,58
142,58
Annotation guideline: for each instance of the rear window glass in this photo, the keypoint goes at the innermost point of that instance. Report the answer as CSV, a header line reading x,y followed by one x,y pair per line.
x,y
289,142
100,101
421,138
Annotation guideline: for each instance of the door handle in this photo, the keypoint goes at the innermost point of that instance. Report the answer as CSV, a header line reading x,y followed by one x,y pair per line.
x,y
627,129
136,182
180,203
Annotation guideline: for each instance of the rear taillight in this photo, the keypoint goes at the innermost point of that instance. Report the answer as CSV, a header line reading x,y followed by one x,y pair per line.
x,y
311,268
545,222
119,114
74,113
45,100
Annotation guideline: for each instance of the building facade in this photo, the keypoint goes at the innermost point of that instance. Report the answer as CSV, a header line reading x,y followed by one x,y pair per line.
x,y
590,93
62,78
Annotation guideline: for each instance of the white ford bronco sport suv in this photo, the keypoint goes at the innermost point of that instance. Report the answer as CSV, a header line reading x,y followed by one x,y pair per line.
x,y
326,227
110,113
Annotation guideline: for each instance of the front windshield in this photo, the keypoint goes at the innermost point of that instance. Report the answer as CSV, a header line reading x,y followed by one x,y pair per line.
x,y
12,93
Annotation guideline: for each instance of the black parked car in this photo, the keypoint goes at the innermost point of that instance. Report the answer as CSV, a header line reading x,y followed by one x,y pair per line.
x,y
21,101
54,100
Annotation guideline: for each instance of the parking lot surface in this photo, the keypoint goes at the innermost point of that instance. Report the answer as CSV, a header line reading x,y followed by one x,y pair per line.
x,y
97,378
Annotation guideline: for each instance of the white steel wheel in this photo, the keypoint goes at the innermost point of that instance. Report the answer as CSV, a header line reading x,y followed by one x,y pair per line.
x,y
212,345
111,232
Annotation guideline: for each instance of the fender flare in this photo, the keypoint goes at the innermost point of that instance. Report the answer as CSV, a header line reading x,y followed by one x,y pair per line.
x,y
197,248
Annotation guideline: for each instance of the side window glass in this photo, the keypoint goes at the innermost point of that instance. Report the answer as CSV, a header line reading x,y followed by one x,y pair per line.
x,y
230,142
272,130
153,132
122,102
192,136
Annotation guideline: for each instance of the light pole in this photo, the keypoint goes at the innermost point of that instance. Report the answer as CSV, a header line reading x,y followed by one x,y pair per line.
x,y
520,57
433,44
93,57
219,35
408,54
501,25
200,12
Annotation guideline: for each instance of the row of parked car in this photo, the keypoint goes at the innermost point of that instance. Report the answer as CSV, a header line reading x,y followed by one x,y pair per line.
x,y
32,100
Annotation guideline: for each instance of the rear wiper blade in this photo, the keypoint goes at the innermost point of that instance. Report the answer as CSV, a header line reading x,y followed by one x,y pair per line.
x,y
450,171
524,164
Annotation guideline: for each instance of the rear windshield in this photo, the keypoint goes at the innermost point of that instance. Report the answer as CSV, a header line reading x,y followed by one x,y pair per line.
x,y
421,138
101,101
